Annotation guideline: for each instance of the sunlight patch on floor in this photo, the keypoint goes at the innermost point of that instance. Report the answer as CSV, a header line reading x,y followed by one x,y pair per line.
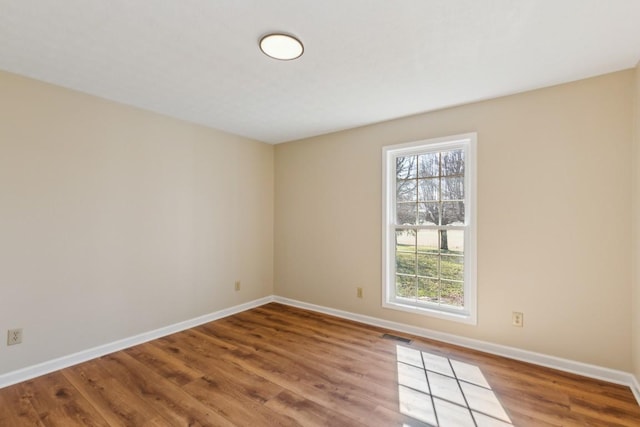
x,y
445,392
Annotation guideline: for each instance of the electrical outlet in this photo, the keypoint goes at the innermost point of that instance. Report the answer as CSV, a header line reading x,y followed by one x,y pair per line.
x,y
14,336
359,292
237,285
517,319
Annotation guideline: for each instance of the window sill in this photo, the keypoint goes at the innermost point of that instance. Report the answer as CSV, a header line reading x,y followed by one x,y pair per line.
x,y
463,317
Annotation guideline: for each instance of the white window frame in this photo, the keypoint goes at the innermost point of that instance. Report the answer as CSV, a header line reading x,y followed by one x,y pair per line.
x,y
468,143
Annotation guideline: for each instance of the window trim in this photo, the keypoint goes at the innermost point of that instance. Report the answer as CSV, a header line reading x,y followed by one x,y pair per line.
x,y
468,141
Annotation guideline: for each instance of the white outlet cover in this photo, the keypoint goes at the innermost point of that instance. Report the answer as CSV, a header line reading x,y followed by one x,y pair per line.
x,y
14,336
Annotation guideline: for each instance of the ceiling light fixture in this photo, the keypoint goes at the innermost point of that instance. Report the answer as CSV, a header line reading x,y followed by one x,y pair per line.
x,y
281,46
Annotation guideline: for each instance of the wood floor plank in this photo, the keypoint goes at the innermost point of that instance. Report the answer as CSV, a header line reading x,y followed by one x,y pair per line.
x,y
16,408
223,397
315,385
335,354
614,415
175,404
230,391
170,368
334,401
333,371
280,365
307,412
118,405
286,369
209,360
58,403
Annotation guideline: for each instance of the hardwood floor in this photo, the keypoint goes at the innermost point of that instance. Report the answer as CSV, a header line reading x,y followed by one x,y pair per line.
x,y
278,365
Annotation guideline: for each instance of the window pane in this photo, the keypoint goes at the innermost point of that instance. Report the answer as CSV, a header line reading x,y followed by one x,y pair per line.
x,y
429,290
429,213
452,162
452,267
429,189
428,265
429,164
451,293
452,242
452,213
406,213
406,190
406,167
405,286
452,188
428,241
427,201
406,241
405,263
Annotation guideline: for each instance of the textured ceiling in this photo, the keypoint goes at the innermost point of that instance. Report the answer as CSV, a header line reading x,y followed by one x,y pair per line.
x,y
365,61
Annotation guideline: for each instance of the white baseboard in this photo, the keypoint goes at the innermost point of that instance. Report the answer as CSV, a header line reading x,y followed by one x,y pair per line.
x,y
49,366
635,388
579,368
587,370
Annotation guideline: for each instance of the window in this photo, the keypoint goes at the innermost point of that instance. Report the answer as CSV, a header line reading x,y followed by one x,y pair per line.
x,y
429,236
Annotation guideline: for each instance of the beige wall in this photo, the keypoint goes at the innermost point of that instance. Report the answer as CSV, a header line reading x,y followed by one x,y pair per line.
x,y
115,221
554,215
635,310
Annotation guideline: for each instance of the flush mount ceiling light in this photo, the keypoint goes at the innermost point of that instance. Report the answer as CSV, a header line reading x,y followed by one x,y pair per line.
x,y
281,46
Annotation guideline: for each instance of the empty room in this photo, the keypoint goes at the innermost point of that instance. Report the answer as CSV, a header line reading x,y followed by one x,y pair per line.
x,y
319,213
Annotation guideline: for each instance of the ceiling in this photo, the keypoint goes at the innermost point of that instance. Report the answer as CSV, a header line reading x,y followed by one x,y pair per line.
x,y
365,61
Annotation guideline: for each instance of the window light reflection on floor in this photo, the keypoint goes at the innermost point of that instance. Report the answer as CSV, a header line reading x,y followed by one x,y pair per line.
x,y
444,392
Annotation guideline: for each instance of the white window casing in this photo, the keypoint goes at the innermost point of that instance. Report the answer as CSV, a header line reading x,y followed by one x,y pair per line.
x,y
426,277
